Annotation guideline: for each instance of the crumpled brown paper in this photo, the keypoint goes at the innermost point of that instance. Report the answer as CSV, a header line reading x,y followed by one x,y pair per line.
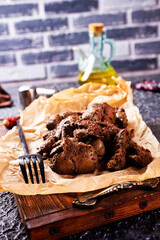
x,y
33,123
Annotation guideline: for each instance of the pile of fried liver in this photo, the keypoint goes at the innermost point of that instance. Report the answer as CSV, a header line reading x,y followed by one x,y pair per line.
x,y
79,142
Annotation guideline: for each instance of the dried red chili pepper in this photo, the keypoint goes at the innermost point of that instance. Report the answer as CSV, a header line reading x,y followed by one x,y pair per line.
x,y
10,122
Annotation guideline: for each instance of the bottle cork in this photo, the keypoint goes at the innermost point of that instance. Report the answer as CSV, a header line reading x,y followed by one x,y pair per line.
x,y
96,27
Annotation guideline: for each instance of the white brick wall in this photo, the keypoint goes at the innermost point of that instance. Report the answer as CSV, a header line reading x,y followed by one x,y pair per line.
x,y
23,73
16,70
120,4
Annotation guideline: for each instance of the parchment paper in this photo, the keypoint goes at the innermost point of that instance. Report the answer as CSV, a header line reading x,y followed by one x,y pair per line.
x,y
33,123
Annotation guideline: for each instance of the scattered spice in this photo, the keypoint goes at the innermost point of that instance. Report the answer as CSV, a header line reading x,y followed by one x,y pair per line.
x,y
148,84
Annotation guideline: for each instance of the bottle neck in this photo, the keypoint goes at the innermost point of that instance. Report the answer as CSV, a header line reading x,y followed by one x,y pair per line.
x,y
96,44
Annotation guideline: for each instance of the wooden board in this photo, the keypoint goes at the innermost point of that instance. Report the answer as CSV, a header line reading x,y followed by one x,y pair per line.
x,y
53,216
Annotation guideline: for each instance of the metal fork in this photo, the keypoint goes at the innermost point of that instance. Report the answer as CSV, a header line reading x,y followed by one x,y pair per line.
x,y
29,160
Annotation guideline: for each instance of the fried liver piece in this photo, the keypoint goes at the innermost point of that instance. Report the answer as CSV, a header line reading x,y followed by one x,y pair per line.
x,y
88,128
52,123
109,131
66,127
118,160
99,147
46,147
121,118
100,113
77,142
106,113
62,129
57,118
74,157
138,156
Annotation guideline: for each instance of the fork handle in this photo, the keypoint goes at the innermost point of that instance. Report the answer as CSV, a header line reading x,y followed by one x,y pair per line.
x,y
22,137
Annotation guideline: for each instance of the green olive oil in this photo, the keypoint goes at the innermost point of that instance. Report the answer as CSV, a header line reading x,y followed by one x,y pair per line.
x,y
104,77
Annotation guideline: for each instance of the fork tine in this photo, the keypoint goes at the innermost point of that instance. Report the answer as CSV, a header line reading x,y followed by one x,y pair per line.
x,y
29,168
41,166
23,169
29,157
35,167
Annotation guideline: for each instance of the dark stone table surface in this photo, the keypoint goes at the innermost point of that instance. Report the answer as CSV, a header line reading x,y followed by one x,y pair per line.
x,y
144,226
